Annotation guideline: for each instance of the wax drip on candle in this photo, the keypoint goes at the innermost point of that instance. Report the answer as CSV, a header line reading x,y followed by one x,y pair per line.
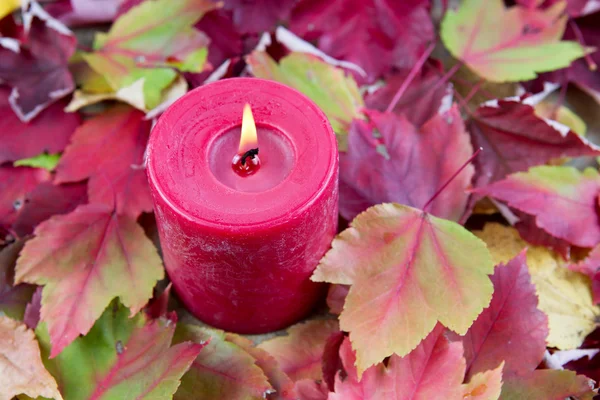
x,y
246,162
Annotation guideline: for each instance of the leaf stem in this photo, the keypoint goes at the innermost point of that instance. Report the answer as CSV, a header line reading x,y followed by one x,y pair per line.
x,y
440,190
409,78
579,35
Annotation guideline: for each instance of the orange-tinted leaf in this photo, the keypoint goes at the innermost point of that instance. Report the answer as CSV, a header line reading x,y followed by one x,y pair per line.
x,y
21,368
434,370
223,370
109,150
548,385
300,352
408,270
484,385
121,358
512,329
85,259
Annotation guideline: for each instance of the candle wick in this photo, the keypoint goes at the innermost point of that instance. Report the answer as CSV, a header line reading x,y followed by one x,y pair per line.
x,y
249,153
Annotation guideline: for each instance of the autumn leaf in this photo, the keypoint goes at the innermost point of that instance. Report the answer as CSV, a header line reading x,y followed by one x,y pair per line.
x,y
590,266
408,270
83,12
22,371
223,370
514,139
484,385
512,329
336,296
37,68
283,386
564,295
535,235
109,150
148,42
8,7
84,259
501,44
548,385
376,35
15,185
121,358
405,165
548,191
551,110
434,370
258,16
13,298
48,132
335,93
300,352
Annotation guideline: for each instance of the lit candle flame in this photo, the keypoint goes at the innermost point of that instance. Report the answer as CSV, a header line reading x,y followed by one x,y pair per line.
x,y
248,140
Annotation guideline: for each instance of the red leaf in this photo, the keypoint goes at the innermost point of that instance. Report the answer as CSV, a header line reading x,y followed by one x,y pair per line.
x,y
332,362
109,150
49,132
336,296
85,259
512,329
550,191
259,15
13,298
46,200
422,98
413,166
376,35
82,12
37,69
225,40
15,184
434,370
308,389
31,318
575,8
591,267
531,233
513,139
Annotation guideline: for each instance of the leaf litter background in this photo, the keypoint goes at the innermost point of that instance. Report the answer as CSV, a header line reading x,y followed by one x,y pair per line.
x,y
448,281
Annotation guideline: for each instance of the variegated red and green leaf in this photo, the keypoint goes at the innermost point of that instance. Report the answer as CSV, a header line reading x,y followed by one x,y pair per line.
x,y
408,270
85,259
121,358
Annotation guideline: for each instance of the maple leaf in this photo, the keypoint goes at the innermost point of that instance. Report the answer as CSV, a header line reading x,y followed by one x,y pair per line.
x,y
37,68
332,362
591,267
283,386
512,44
484,385
132,358
46,200
547,191
514,139
84,259
225,40
300,352
405,165
535,235
13,299
564,295
148,43
376,35
548,385
336,296
258,16
48,132
309,389
512,329
15,184
109,150
83,12
21,364
222,371
434,370
335,93
420,101
408,270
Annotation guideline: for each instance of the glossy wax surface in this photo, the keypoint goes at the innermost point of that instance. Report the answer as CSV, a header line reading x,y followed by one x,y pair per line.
x,y
240,250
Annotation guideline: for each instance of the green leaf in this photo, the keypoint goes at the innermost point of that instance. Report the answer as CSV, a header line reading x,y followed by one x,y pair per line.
x,y
121,358
408,270
151,41
329,87
44,160
507,45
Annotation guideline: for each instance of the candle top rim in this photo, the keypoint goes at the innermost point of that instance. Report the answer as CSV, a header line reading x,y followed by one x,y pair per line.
x,y
217,103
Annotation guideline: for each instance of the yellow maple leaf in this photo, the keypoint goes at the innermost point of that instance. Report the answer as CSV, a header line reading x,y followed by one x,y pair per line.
x,y
564,295
8,6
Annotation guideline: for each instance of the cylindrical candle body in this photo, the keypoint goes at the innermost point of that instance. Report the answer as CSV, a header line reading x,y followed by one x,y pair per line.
x,y
240,249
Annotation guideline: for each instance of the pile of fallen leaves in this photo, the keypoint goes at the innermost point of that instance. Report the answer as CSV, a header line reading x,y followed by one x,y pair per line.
x,y
453,279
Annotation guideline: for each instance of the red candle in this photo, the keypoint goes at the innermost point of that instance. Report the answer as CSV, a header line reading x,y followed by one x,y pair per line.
x,y
240,242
